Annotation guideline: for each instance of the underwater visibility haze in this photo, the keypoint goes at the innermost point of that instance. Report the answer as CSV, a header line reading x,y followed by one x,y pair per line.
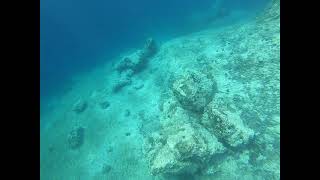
x,y
160,90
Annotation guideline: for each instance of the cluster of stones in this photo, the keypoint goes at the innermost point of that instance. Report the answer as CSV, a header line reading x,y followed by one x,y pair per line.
x,y
193,131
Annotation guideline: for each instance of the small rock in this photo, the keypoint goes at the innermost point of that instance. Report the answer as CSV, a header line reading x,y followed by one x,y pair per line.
x,y
138,86
110,149
106,168
76,138
51,148
128,134
80,106
127,113
104,104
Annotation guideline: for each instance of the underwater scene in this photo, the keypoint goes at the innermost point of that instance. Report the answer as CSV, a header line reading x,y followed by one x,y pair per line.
x,y
160,90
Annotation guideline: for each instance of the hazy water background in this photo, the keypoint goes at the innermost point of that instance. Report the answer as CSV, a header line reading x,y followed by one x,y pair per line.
x,y
74,35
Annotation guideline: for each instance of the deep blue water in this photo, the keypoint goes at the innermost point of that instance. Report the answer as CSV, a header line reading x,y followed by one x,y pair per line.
x,y
76,33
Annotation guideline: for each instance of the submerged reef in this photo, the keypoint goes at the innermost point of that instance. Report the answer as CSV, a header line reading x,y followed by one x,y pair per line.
x,y
134,63
193,131
76,138
194,90
218,120
181,149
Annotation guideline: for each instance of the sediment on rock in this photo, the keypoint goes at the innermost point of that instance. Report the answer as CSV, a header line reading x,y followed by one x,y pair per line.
x,y
194,90
227,127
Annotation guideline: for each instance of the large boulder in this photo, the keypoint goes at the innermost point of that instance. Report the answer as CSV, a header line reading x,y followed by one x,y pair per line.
x,y
194,90
181,149
226,126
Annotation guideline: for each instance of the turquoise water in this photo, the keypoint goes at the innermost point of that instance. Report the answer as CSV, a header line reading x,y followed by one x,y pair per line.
x,y
160,89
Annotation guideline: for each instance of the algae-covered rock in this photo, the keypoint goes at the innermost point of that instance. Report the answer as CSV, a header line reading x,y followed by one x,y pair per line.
x,y
76,138
181,149
194,90
227,127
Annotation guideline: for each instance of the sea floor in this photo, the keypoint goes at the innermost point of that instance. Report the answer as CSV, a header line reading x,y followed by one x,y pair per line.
x,y
245,61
